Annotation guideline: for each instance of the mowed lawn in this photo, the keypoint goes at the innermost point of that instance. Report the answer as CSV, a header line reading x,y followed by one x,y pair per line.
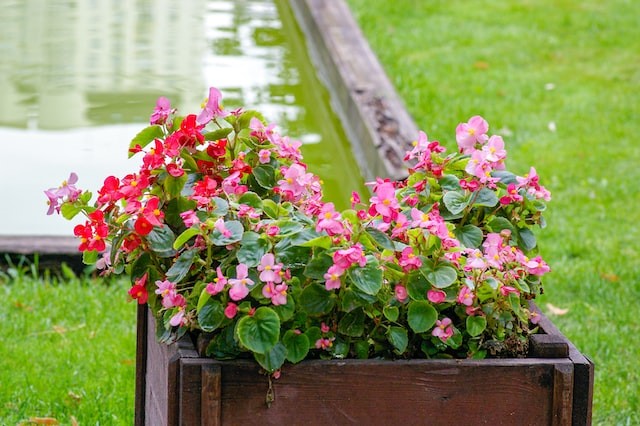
x,y
560,81
67,352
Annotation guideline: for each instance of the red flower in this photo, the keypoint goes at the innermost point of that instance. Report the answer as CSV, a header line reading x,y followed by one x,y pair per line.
x,y
142,226
93,233
139,290
110,191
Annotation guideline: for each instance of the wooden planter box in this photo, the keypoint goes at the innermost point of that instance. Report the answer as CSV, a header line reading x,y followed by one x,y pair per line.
x,y
175,386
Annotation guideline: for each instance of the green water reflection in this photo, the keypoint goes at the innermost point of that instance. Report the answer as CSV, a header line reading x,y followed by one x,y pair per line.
x,y
74,69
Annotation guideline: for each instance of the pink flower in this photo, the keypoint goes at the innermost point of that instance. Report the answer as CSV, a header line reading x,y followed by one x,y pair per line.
x,y
506,290
212,109
332,277
231,310
512,195
240,285
296,181
534,317
218,283
384,202
443,329
436,296
355,199
189,218
178,318
161,112
264,156
220,227
269,270
324,343
329,221
273,230
465,296
470,133
347,257
260,131
401,293
419,146
152,213
494,151
408,260
536,266
165,288
475,260
277,293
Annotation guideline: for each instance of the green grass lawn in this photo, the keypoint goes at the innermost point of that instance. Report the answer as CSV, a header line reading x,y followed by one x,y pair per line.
x,y
67,351
560,81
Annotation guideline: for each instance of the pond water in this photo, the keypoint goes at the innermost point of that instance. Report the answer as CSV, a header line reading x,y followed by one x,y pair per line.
x,y
79,78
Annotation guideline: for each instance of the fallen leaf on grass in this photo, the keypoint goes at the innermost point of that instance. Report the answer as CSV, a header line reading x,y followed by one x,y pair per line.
x,y
74,396
44,420
481,65
127,361
554,310
610,277
74,422
19,305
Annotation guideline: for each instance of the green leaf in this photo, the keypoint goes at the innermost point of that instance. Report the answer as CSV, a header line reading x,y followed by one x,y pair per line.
x,y
380,238
184,237
369,278
421,316
69,210
161,240
440,276
273,359
456,201
251,199
391,313
89,257
500,223
399,338
324,241
318,266
469,235
526,239
316,300
265,176
485,197
204,298
260,332
286,311
417,287
352,324
146,136
236,231
173,185
297,345
222,206
253,247
449,183
245,118
505,176
211,315
182,265
218,134
476,325
271,209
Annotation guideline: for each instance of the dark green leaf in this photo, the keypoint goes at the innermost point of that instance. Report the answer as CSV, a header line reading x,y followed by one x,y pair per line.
x,y
456,201
182,265
161,241
485,197
323,242
417,287
265,176
273,359
440,275
505,176
526,240
297,345
253,247
316,300
260,332
173,185
251,199
449,183
380,238
352,324
391,313
211,315
500,223
421,316
369,278
469,235
318,266
398,337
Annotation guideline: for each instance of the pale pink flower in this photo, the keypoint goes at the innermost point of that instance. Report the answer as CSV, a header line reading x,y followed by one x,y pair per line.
x,y
276,292
329,221
178,318
494,150
269,270
332,277
324,343
260,131
212,109
465,296
384,202
218,283
443,329
506,290
436,296
189,218
347,257
470,133
220,226
240,285
536,266
161,112
475,260
264,156
247,211
419,146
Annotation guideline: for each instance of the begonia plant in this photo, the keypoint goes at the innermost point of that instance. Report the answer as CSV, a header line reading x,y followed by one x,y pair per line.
x,y
223,230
